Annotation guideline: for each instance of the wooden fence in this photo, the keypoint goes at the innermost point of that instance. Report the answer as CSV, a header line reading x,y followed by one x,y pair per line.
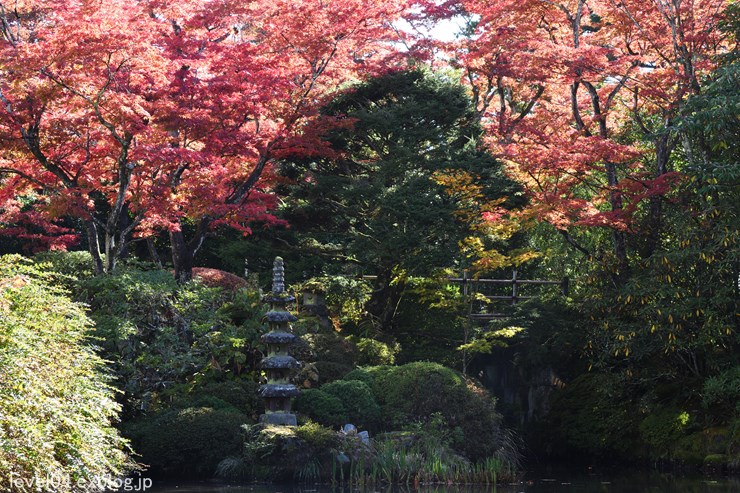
x,y
475,288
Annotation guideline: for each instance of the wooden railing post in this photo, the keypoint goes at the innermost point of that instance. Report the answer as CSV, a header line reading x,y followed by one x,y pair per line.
x,y
466,330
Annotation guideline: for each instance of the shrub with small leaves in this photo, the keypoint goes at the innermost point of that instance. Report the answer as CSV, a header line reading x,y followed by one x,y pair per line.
x,y
321,407
57,408
357,398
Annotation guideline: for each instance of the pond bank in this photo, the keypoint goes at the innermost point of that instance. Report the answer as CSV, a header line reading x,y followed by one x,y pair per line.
x,y
532,482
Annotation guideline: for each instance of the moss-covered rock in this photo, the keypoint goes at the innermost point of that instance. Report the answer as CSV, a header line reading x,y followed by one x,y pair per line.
x,y
280,453
714,464
692,450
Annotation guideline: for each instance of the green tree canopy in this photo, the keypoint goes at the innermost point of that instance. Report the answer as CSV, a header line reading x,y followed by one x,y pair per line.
x,y
377,199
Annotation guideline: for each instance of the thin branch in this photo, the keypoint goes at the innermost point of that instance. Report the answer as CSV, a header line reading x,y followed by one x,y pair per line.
x,y
573,243
24,176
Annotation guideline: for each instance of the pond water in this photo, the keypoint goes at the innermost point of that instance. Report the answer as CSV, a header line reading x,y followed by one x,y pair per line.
x,y
532,483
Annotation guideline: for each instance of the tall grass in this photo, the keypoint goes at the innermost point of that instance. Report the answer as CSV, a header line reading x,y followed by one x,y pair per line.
x,y
416,465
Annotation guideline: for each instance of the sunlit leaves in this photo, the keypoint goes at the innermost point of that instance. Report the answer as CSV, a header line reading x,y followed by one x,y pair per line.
x,y
57,408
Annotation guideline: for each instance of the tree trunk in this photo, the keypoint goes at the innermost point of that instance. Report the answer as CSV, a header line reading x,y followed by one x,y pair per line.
x,y
153,252
384,300
111,252
654,220
182,257
618,237
124,223
183,252
94,246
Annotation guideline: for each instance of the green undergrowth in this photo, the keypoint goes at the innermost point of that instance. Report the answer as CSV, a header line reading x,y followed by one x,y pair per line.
x,y
311,453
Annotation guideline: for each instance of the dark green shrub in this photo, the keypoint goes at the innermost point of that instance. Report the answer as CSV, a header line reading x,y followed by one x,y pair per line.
x,y
412,392
71,266
57,408
662,428
241,394
416,394
368,374
126,304
322,407
345,296
332,354
330,346
590,416
187,443
721,393
330,371
358,401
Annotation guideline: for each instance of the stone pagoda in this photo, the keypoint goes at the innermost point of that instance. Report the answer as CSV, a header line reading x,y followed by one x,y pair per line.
x,y
278,391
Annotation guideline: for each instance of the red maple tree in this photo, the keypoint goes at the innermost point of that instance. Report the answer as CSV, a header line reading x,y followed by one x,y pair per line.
x,y
75,78
136,117
561,83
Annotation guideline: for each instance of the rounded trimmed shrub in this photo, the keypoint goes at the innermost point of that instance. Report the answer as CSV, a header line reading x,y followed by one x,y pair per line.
x,y
321,407
368,374
415,393
358,401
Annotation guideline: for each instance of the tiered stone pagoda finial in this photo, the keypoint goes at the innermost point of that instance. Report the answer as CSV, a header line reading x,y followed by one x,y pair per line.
x,y
278,276
278,391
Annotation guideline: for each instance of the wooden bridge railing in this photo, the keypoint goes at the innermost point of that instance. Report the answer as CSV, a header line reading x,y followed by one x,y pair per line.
x,y
472,286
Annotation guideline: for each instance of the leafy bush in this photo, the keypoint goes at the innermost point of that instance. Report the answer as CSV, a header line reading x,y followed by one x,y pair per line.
x,y
321,407
372,352
330,371
72,266
663,428
412,392
591,416
368,374
189,442
316,435
357,399
57,408
333,354
186,360
167,340
240,394
344,295
420,392
722,392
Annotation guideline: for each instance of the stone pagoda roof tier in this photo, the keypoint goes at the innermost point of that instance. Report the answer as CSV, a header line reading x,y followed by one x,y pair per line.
x,y
278,390
274,316
278,298
278,338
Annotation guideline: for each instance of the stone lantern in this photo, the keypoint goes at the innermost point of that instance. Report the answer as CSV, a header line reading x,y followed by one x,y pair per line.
x,y
278,392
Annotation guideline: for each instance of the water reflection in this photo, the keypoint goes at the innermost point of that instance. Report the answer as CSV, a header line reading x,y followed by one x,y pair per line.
x,y
643,483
